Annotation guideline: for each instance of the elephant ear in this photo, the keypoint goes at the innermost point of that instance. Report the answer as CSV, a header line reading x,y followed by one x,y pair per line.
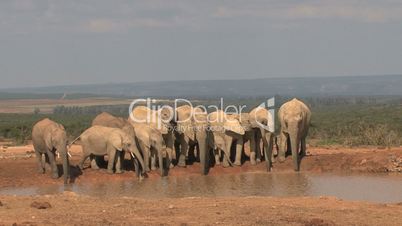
x,y
219,142
232,124
116,139
48,140
262,118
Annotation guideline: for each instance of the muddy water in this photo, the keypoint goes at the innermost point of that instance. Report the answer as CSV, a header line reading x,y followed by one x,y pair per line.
x,y
375,188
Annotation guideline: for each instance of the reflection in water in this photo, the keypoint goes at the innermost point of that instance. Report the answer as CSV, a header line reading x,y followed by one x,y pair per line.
x,y
377,188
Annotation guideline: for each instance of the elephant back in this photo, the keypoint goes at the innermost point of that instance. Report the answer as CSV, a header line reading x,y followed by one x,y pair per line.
x,y
108,120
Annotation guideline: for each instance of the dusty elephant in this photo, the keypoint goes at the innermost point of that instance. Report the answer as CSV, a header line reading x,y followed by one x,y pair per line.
x,y
108,120
261,121
101,140
49,137
225,129
151,144
192,129
160,120
294,117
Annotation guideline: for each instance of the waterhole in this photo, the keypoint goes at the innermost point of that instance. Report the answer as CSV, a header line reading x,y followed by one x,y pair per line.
x,y
375,188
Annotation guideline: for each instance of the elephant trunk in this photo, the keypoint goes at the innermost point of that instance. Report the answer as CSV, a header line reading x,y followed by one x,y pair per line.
x,y
294,144
204,152
159,150
66,166
138,156
226,149
161,166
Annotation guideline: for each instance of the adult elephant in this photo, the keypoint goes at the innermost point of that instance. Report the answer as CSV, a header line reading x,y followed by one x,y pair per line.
x,y
108,120
152,145
49,137
160,120
192,129
225,129
101,140
294,117
261,121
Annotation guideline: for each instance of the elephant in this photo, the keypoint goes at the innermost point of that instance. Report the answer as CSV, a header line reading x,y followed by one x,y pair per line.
x,y
49,137
108,120
249,135
294,117
151,143
101,140
192,129
225,129
261,121
160,120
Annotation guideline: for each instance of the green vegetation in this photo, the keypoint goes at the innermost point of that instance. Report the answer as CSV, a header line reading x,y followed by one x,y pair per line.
x,y
357,125
336,121
18,127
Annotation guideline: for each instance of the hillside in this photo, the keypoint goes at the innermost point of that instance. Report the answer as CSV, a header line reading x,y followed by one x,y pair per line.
x,y
308,86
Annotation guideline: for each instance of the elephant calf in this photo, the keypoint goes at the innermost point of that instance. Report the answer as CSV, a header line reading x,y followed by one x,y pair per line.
x,y
49,137
100,140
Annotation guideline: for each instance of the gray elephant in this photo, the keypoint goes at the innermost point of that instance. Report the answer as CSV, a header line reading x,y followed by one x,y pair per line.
x,y
151,144
160,120
225,129
108,120
192,129
49,137
101,140
294,117
262,122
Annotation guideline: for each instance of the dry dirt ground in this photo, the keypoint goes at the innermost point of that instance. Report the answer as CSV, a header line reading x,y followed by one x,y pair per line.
x,y
72,209
18,169
47,105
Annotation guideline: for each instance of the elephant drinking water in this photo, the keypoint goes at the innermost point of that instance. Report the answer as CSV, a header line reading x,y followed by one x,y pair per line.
x,y
100,140
294,117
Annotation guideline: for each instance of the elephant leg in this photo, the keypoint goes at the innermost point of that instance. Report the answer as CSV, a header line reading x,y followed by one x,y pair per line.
x,y
268,145
120,158
225,162
112,155
94,165
53,166
184,143
303,147
217,156
239,149
282,147
252,140
153,161
41,164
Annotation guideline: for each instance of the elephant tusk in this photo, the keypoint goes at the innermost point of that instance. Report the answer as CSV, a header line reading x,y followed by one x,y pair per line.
x,y
132,154
68,153
58,154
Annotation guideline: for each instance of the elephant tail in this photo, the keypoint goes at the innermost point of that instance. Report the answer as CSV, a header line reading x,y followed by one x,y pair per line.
x,y
72,142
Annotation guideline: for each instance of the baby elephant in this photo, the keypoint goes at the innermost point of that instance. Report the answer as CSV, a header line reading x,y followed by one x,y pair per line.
x,y
49,137
100,140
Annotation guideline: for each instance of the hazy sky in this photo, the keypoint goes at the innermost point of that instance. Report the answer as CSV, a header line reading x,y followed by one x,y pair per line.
x,y
48,42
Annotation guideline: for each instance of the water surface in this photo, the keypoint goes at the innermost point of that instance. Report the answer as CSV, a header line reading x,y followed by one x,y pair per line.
x,y
375,188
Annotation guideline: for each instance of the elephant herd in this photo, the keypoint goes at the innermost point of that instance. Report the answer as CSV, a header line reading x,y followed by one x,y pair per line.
x,y
174,137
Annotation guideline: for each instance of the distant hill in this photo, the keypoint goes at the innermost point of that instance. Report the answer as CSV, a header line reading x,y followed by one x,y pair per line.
x,y
308,86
